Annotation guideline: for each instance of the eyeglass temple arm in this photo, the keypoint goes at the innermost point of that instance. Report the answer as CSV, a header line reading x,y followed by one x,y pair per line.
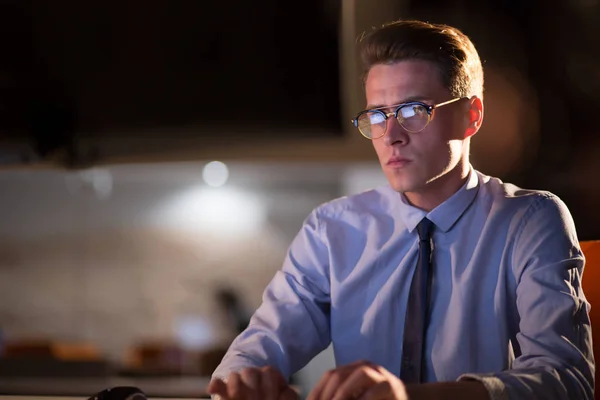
x,y
449,101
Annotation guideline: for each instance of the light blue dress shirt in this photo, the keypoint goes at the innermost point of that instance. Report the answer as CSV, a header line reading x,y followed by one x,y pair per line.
x,y
507,307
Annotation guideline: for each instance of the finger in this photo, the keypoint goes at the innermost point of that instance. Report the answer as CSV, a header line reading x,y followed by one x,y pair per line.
x,y
278,378
390,387
358,382
330,380
333,382
288,394
235,387
218,387
315,393
333,378
388,374
251,378
272,383
381,391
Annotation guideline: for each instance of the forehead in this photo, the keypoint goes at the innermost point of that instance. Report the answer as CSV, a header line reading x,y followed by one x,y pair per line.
x,y
395,83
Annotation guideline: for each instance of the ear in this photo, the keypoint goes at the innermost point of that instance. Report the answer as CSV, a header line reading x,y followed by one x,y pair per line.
x,y
474,116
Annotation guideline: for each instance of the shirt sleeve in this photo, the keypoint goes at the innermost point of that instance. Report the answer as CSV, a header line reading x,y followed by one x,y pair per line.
x,y
554,357
291,326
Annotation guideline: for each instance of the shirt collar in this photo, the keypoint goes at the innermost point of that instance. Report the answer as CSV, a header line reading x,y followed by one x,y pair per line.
x,y
446,214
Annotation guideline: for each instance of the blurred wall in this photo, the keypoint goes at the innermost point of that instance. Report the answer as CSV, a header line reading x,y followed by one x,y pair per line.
x,y
116,255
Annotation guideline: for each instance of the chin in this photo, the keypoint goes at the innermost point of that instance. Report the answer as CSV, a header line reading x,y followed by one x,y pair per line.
x,y
404,185
405,179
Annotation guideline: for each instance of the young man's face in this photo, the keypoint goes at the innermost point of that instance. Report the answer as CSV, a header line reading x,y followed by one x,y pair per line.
x,y
412,162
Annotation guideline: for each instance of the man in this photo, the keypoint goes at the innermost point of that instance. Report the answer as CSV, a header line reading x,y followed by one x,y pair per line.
x,y
445,284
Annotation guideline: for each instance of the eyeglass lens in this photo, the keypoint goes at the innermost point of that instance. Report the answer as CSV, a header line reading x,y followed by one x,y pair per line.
x,y
412,117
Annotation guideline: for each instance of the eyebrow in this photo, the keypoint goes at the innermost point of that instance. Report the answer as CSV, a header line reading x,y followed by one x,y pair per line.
x,y
406,100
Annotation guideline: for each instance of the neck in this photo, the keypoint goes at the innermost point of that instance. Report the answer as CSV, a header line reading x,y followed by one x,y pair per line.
x,y
440,189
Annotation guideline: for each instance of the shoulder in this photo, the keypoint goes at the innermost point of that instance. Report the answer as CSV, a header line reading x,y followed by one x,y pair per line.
x,y
347,219
511,195
377,201
525,205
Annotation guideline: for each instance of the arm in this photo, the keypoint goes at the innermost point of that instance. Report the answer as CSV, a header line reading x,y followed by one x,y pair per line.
x,y
556,359
292,324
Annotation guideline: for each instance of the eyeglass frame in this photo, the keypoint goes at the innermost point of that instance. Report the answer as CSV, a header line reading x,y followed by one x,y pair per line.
x,y
386,116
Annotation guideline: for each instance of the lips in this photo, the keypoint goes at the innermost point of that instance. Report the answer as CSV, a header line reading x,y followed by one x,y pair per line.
x,y
398,162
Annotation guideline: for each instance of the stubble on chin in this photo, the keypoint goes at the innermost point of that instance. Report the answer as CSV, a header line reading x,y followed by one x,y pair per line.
x,y
400,184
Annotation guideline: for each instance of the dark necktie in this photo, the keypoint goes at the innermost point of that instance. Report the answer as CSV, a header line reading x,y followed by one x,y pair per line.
x,y
413,344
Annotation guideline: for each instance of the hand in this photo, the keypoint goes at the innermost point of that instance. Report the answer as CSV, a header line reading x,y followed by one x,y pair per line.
x,y
264,383
359,381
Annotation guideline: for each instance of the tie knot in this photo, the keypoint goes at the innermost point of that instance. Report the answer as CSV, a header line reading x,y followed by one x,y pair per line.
x,y
424,229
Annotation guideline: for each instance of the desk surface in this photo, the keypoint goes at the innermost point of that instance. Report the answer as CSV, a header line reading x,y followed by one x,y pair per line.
x,y
59,388
75,398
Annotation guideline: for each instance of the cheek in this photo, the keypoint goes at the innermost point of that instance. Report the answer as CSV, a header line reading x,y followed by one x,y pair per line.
x,y
437,150
442,138
379,147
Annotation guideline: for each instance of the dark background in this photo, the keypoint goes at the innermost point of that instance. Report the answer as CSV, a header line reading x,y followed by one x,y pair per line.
x,y
79,68
77,71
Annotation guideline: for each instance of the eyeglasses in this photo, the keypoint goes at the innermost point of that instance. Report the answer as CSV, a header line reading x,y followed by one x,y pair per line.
x,y
413,116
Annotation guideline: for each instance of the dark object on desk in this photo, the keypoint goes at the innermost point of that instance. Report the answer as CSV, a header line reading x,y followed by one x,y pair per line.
x,y
181,387
120,393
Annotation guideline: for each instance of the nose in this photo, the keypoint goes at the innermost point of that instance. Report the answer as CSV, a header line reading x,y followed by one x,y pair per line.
x,y
395,133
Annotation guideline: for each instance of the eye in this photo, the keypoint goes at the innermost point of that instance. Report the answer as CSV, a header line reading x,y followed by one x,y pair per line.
x,y
376,118
407,112
412,111
419,110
